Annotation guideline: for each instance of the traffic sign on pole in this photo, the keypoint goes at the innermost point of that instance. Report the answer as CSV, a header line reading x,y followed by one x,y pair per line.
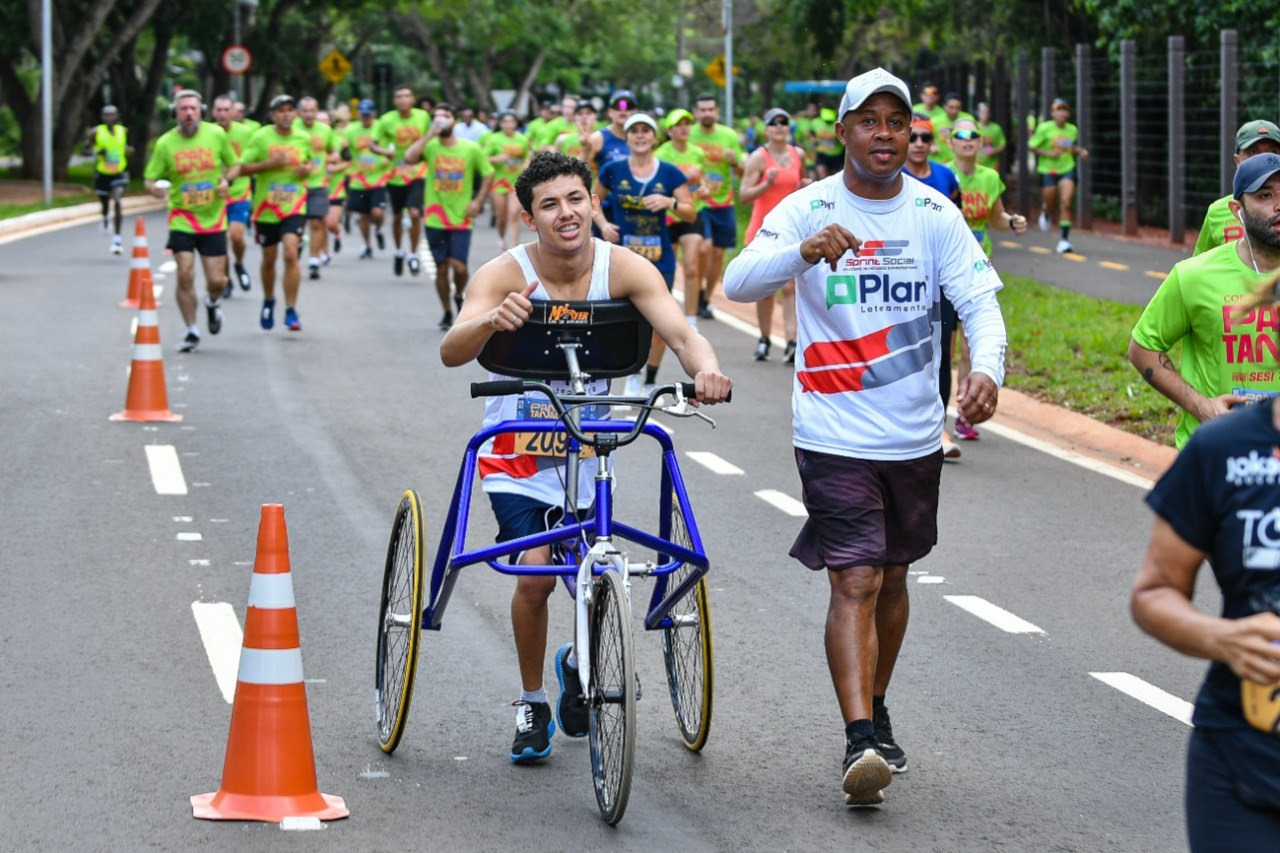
x,y
335,66
237,59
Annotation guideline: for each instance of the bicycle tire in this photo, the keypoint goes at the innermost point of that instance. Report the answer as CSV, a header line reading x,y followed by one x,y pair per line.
x,y
687,650
611,697
399,622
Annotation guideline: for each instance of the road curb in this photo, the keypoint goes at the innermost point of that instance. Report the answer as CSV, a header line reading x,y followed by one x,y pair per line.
x,y
87,212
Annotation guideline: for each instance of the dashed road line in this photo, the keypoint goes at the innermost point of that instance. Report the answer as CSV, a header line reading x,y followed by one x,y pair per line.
x,y
714,463
784,502
166,470
1147,694
1155,274
1039,250
1112,265
1076,257
189,536
222,637
998,616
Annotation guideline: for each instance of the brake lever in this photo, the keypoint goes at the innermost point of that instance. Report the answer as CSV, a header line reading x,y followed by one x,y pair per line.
x,y
681,409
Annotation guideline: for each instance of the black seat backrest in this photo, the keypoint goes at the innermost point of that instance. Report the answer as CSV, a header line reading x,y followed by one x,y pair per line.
x,y
613,334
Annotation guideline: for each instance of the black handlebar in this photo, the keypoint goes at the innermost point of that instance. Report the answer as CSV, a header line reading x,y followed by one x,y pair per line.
x,y
504,387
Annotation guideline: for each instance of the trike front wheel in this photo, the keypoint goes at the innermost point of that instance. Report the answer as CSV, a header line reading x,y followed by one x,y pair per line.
x,y
399,621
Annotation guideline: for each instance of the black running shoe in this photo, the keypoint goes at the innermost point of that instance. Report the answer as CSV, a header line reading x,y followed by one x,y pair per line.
x,y
230,291
366,253
762,349
457,301
445,322
382,243
889,748
313,269
415,265
866,772
534,728
398,265
189,343
571,710
242,276
789,354
215,318
337,244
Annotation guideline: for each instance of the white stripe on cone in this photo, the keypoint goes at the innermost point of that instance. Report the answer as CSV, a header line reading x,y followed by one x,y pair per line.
x,y
273,591
270,666
146,352
148,318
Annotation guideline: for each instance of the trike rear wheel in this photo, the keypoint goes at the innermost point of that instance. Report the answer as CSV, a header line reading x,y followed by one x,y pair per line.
x,y
687,650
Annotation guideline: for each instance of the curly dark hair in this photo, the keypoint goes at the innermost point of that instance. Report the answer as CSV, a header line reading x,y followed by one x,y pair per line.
x,y
544,167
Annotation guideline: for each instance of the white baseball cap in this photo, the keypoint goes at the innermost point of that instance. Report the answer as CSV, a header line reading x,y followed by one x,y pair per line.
x,y
640,118
871,83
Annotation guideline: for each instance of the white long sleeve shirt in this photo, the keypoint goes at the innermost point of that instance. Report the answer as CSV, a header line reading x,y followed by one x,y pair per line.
x,y
866,382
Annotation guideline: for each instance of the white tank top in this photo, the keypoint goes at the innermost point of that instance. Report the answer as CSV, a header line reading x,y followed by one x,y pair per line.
x,y
503,467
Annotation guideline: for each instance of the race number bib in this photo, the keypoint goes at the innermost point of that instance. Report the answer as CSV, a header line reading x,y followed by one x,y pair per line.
x,y
449,181
197,194
537,408
649,248
282,196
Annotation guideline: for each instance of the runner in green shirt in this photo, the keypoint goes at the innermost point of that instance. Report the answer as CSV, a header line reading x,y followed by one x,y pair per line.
x,y
993,139
577,143
1220,224
1229,352
981,188
193,166
720,224
396,131
239,197
324,146
828,153
952,112
1054,144
553,129
929,104
109,142
686,236
451,165
508,152
279,155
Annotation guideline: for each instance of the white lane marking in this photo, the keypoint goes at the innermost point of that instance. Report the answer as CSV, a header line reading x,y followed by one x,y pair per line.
x,y
931,579
714,463
166,470
168,266
1067,455
189,536
784,502
183,519
998,616
300,824
1147,694
220,632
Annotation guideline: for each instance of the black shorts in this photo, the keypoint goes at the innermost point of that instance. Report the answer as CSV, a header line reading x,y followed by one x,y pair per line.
x,y
1052,179
519,516
212,245
366,201
1232,790
720,226
449,243
406,195
833,163
317,203
270,233
680,228
867,512
105,184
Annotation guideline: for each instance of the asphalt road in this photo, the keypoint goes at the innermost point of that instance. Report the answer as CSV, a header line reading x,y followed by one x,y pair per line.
x,y
111,715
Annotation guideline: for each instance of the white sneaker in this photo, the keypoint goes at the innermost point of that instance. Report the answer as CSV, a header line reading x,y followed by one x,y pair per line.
x,y
116,247
950,450
1044,222
634,386
1063,247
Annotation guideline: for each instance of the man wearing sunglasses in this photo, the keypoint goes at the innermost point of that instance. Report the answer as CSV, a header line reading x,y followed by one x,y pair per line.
x,y
872,253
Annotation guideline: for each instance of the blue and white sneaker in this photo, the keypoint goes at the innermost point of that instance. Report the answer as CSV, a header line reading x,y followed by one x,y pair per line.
x,y
291,321
571,709
268,316
534,728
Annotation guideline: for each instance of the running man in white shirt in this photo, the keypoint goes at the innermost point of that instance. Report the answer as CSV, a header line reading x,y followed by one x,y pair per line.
x,y
872,253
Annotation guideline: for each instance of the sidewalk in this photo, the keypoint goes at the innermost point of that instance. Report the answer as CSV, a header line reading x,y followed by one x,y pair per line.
x,y
15,226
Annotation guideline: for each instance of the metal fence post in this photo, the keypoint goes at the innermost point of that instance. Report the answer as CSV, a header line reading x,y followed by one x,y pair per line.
x,y
1228,110
1084,116
1048,80
1128,137
1000,112
1177,140
1018,134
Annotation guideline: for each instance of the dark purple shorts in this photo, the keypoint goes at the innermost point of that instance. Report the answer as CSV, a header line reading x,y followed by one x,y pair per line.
x,y
866,512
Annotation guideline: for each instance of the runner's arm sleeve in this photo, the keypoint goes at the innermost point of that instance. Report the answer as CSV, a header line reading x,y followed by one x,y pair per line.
x,y
971,283
769,261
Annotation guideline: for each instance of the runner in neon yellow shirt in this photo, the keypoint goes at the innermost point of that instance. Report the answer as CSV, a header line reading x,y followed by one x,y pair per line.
x,y
1055,145
367,178
993,139
396,131
508,152
239,197
109,142
197,163
324,146
720,224
1220,224
280,156
1230,356
686,236
452,165
577,143
952,112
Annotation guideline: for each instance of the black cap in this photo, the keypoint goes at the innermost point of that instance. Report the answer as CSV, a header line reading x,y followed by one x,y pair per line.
x,y
623,95
279,101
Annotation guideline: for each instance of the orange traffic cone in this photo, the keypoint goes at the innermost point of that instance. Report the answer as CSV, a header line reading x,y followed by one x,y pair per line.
x,y
270,770
146,399
139,268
